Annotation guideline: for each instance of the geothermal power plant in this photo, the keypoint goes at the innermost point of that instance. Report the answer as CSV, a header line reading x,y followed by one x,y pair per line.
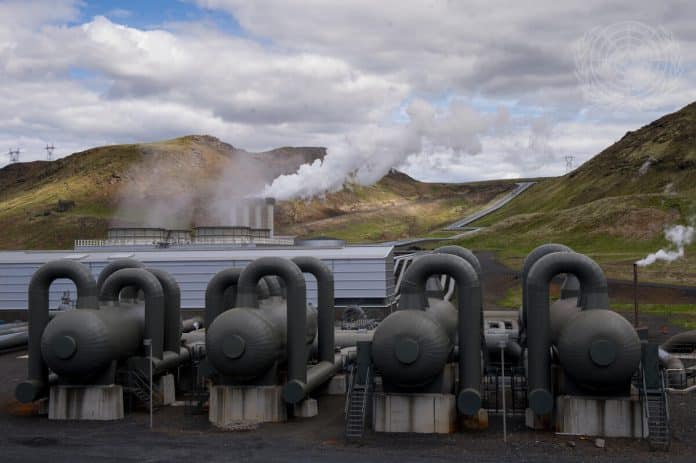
x,y
248,327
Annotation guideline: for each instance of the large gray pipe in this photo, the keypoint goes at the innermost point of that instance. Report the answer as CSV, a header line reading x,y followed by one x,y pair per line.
x,y
529,261
594,290
215,293
566,307
327,314
172,309
221,293
296,306
154,302
471,258
469,323
191,324
681,343
8,326
37,380
111,267
13,340
21,329
464,253
275,289
295,391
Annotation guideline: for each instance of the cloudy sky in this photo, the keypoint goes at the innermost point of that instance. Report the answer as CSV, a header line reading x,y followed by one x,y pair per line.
x,y
446,90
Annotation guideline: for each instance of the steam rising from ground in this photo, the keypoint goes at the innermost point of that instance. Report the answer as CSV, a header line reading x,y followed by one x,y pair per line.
x,y
365,156
679,236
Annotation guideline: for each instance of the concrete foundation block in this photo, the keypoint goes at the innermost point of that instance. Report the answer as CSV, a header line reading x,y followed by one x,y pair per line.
x,y
534,421
477,422
416,413
229,405
338,385
306,409
603,417
98,403
167,389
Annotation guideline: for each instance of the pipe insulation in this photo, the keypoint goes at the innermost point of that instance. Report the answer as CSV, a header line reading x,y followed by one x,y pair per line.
x,y
37,378
594,289
529,261
469,321
296,321
329,363
155,302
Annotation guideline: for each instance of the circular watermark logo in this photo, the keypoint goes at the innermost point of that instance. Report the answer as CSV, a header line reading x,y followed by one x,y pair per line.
x,y
627,64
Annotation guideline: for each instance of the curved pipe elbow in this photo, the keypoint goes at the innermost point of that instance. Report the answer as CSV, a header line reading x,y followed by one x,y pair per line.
x,y
593,285
39,286
464,253
215,293
112,267
529,261
296,305
154,301
469,316
326,315
172,312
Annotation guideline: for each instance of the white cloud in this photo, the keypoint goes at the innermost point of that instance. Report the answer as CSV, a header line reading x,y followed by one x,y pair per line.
x,y
337,74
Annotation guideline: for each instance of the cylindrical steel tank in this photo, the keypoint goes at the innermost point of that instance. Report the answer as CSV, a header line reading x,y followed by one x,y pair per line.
x,y
80,344
36,384
411,346
599,350
595,296
244,343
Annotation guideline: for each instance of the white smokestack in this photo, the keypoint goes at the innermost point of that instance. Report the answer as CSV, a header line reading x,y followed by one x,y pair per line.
x,y
679,236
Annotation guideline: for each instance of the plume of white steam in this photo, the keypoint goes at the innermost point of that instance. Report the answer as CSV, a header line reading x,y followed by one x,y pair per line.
x,y
367,155
679,236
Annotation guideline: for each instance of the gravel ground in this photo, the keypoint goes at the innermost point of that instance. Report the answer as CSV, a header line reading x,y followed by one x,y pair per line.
x,y
178,436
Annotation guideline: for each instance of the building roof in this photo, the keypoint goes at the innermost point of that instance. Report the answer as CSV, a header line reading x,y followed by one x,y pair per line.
x,y
193,254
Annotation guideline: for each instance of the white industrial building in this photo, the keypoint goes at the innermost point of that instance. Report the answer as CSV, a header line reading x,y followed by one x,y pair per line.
x,y
363,275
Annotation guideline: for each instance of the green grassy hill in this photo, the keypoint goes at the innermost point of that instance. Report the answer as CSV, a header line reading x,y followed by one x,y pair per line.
x,y
614,207
47,205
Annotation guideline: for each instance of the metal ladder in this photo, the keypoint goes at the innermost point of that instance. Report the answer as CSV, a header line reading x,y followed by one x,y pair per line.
x,y
656,405
357,404
139,386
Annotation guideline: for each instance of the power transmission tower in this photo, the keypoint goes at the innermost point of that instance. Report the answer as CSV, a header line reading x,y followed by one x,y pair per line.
x,y
13,154
49,152
569,163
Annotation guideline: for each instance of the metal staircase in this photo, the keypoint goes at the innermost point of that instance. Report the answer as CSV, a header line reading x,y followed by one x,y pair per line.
x,y
138,385
656,406
358,403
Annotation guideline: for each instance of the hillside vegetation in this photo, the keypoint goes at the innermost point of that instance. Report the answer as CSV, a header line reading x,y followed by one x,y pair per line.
x,y
47,205
614,207
189,180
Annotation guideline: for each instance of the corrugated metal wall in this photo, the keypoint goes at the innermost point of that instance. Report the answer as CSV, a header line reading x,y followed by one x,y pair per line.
x,y
359,278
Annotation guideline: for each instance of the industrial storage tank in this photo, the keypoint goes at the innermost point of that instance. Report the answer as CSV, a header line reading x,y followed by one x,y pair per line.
x,y
85,346
411,347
